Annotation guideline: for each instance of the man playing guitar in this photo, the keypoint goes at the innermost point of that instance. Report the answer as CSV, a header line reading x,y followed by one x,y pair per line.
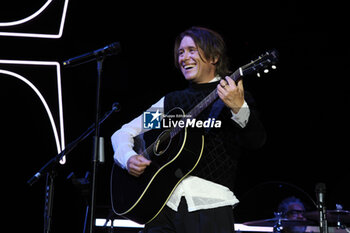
x,y
203,199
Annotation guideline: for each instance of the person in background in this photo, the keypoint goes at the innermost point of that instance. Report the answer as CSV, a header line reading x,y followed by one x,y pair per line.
x,y
292,209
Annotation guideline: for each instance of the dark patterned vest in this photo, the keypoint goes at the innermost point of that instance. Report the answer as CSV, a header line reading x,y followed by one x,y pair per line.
x,y
221,147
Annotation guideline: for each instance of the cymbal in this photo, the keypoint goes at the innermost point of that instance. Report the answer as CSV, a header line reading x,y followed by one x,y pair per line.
x,y
333,216
284,222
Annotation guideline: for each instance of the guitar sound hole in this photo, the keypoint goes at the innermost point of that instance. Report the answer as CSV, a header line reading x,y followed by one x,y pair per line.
x,y
162,143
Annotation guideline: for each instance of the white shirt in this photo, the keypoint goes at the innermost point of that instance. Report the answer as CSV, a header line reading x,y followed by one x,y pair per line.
x,y
198,192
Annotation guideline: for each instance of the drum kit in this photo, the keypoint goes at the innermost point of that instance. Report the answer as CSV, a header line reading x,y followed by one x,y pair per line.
x,y
339,218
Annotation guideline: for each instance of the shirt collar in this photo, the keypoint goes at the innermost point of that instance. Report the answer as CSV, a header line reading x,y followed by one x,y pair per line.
x,y
215,79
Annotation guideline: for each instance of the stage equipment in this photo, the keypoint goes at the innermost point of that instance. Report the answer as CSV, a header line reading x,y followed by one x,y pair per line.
x,y
278,223
48,11
338,216
49,167
98,54
320,190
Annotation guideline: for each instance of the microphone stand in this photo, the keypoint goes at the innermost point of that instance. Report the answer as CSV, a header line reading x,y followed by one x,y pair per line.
x,y
96,143
48,168
321,206
98,55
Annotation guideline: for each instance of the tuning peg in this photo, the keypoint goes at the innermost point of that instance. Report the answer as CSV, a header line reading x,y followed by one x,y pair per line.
x,y
258,74
273,67
266,71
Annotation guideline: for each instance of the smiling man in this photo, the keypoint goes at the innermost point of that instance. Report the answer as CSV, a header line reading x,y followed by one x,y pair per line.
x,y
192,65
202,202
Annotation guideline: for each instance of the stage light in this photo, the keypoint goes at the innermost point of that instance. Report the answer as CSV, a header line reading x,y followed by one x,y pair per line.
x,y
124,223
117,223
59,143
34,16
17,22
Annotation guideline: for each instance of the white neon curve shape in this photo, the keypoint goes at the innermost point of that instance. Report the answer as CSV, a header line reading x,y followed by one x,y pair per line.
x,y
31,85
40,35
38,12
47,108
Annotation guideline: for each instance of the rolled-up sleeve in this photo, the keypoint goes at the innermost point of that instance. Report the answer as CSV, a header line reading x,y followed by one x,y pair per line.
x,y
123,139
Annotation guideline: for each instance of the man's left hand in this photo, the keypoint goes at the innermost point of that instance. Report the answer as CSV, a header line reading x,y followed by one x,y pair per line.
x,y
231,94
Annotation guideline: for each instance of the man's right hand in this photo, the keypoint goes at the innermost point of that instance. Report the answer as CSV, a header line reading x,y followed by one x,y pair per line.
x,y
137,164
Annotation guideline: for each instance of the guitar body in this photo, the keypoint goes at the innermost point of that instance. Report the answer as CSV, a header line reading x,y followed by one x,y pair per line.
x,y
142,198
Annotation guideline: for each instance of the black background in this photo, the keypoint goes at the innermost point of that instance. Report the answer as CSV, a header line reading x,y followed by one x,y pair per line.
x,y
303,104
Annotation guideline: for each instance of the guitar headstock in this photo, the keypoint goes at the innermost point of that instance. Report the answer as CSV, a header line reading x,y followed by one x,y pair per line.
x,y
262,63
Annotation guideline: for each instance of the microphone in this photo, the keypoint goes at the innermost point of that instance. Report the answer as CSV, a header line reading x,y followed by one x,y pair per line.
x,y
34,179
108,50
116,107
320,190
